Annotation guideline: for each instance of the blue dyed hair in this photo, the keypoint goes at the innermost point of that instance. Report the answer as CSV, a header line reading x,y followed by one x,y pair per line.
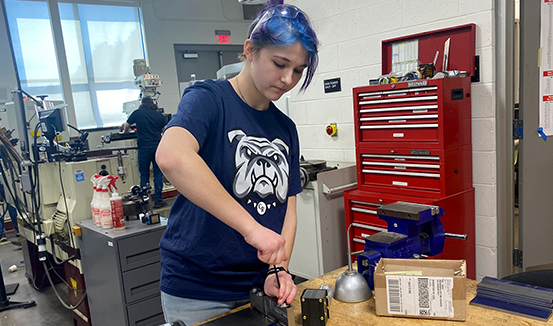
x,y
280,30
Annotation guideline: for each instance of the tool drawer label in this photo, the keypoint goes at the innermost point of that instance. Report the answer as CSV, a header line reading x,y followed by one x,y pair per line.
x,y
420,296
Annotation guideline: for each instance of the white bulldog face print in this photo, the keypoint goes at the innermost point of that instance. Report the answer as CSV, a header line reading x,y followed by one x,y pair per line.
x,y
261,169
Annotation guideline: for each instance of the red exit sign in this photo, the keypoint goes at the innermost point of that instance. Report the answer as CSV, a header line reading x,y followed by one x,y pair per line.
x,y
223,39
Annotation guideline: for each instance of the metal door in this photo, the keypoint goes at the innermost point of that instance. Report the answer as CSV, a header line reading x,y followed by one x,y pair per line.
x,y
203,60
535,154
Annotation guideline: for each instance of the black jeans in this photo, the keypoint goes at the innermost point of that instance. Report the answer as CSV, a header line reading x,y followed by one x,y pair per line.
x,y
147,155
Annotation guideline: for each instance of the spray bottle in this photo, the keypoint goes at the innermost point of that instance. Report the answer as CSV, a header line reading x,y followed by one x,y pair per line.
x,y
103,203
116,203
95,197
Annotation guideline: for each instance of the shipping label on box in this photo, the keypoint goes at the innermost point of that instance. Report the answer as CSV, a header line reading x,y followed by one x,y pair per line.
x,y
423,296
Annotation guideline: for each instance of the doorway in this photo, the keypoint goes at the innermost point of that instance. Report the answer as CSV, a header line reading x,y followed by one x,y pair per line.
x,y
202,61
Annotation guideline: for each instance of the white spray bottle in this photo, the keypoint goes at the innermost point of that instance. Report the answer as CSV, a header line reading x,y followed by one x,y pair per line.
x,y
95,200
116,202
104,204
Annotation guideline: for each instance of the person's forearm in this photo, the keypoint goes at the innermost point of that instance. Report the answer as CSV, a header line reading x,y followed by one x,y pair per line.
x,y
289,228
193,179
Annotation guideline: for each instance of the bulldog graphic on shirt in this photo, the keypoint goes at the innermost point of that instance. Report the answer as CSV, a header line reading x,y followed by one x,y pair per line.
x,y
262,170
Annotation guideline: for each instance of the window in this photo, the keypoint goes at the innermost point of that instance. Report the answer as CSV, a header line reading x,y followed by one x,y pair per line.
x,y
101,42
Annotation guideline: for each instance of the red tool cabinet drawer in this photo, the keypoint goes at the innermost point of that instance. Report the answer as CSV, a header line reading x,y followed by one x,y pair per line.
x,y
418,172
364,216
436,112
458,218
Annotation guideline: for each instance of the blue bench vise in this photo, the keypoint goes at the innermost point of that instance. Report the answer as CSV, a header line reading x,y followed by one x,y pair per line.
x,y
414,231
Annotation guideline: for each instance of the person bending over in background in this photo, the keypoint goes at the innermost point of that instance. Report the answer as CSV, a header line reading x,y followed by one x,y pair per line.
x,y
149,126
13,215
234,158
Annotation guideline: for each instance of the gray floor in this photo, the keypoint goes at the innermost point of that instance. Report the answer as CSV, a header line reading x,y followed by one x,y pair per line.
x,y
48,310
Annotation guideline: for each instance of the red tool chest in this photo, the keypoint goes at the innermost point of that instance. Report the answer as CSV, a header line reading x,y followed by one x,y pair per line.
x,y
416,170
431,112
413,144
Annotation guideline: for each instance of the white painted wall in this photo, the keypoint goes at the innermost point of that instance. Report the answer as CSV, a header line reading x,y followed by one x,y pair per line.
x,y
351,32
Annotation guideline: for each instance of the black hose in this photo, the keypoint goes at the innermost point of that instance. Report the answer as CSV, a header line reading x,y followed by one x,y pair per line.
x,y
70,307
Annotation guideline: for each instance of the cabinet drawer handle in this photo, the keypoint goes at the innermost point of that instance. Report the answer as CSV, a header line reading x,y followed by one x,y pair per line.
x,y
408,165
365,203
415,125
413,174
409,99
406,157
361,210
368,227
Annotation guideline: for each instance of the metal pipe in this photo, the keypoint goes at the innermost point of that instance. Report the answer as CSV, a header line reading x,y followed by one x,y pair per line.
x,y
328,191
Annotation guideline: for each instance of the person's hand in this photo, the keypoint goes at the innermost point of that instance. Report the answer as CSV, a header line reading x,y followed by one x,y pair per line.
x,y
271,247
287,291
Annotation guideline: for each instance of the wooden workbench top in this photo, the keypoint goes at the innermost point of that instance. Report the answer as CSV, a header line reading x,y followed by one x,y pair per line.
x,y
363,313
347,314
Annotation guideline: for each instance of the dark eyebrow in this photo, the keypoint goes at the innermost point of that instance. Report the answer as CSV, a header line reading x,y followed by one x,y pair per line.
x,y
288,60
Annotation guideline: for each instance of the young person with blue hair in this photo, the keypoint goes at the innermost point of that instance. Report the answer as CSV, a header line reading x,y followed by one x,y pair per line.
x,y
234,157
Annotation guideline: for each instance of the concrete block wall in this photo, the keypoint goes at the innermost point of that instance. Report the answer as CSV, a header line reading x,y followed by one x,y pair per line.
x,y
351,33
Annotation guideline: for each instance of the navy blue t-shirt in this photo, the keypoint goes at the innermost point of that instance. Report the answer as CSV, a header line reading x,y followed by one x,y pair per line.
x,y
255,156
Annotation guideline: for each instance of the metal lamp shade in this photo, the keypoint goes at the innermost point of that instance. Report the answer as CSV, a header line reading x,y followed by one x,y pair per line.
x,y
351,286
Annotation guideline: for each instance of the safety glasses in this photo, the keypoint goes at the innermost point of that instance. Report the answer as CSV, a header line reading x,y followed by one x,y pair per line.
x,y
284,11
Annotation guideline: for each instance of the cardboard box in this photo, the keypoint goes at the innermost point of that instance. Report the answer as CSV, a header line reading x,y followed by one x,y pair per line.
x,y
421,288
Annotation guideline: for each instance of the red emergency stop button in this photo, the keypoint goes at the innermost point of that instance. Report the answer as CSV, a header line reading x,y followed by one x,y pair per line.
x,y
331,129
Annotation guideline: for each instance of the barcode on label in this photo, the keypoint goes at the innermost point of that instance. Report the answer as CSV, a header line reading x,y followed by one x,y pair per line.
x,y
423,293
394,295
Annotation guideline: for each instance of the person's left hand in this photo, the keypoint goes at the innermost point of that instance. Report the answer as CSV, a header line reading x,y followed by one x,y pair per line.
x,y
287,291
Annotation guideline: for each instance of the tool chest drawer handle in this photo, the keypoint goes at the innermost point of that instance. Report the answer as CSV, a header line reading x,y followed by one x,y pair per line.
x,y
436,158
401,108
393,100
365,203
361,210
410,90
413,174
358,241
373,228
401,117
418,125
422,166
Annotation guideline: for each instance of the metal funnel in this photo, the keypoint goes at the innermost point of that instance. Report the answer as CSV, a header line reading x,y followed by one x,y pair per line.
x,y
351,286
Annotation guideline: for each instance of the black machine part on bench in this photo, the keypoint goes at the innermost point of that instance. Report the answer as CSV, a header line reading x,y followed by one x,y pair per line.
x,y
314,307
265,311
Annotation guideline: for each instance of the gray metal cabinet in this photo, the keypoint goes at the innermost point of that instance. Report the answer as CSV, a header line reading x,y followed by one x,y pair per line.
x,y
122,273
320,245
